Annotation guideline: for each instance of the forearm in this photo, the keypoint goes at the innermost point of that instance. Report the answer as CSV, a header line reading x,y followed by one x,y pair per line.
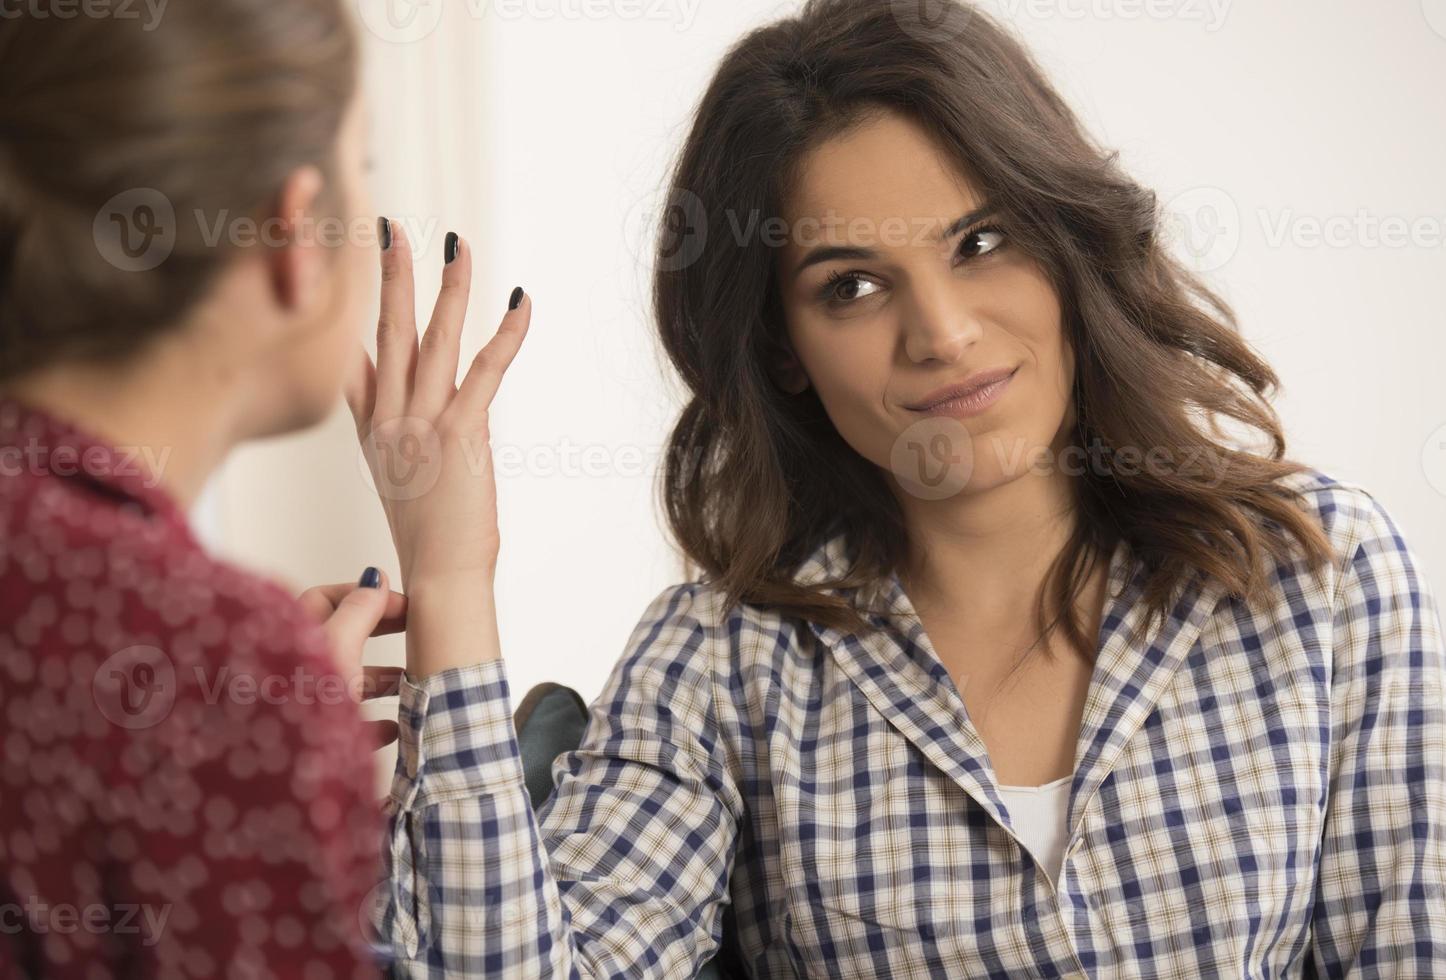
x,y
470,886
451,622
480,885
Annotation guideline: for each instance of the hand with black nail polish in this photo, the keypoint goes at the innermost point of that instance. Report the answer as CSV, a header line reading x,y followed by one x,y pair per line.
x,y
426,440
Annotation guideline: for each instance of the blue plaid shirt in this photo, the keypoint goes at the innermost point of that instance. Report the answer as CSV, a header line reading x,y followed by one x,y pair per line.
x,y
1259,792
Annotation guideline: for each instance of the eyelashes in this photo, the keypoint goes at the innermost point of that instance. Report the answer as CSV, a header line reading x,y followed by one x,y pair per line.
x,y
829,292
985,230
836,279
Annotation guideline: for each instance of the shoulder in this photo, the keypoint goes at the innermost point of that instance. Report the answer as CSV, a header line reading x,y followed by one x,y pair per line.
x,y
120,573
1382,607
265,623
678,631
1340,505
688,629
242,642
156,580
134,606
1365,534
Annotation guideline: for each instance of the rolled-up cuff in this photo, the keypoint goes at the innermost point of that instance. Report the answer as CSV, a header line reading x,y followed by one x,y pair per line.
x,y
456,737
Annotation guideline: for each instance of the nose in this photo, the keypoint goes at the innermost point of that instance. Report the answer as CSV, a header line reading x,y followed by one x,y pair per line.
x,y
939,322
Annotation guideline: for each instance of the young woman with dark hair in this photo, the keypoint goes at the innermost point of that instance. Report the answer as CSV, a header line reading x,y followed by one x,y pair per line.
x,y
1003,660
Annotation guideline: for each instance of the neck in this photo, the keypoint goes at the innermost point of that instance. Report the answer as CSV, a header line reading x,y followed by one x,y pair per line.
x,y
165,409
984,554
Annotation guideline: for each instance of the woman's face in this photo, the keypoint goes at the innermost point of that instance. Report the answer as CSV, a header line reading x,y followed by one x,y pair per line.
x,y
888,298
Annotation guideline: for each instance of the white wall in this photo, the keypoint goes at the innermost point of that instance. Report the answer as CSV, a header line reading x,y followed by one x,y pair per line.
x,y
544,140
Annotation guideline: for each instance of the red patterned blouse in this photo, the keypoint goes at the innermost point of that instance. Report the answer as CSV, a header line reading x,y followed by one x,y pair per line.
x,y
185,786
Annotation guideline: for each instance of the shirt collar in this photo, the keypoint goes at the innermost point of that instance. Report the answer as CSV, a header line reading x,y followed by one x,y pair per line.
x,y
35,442
898,671
831,560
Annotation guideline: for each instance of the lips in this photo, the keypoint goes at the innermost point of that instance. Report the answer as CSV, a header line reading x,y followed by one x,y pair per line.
x,y
962,389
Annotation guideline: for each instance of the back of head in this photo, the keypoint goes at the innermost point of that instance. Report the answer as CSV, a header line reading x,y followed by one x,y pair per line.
x,y
125,143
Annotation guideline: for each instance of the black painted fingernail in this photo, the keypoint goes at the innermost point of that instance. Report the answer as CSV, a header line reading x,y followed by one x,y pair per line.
x,y
370,579
516,299
384,233
451,246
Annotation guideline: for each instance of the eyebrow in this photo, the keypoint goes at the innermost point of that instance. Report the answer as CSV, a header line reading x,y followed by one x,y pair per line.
x,y
835,253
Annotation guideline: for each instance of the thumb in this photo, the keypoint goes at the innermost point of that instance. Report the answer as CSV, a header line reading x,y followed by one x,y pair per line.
x,y
356,616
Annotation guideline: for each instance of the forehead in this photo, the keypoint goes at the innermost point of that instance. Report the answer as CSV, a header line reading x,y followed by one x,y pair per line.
x,y
886,167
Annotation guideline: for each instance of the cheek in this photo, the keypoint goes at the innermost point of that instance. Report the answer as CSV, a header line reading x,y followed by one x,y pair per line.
x,y
363,284
358,264
847,362
353,285
1031,313
1060,373
848,366
1046,408
337,338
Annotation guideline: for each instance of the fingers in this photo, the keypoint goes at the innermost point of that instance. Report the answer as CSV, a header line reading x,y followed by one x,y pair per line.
x,y
396,328
485,375
361,389
321,602
436,381
318,600
383,732
358,614
381,682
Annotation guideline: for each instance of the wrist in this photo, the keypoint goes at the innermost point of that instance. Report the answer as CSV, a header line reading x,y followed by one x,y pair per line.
x,y
451,622
468,584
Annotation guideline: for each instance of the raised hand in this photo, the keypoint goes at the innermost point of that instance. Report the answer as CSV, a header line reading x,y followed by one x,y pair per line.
x,y
427,443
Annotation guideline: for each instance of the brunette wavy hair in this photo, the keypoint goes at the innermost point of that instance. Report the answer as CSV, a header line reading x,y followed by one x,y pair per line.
x,y
755,478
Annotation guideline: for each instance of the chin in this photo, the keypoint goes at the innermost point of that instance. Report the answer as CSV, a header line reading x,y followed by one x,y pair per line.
x,y
314,411
298,415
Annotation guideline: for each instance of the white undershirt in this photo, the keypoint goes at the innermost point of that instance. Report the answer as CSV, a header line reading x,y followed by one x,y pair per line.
x,y
1038,816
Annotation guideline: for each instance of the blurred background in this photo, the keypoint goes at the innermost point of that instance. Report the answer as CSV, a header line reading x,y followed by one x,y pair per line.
x,y
1297,142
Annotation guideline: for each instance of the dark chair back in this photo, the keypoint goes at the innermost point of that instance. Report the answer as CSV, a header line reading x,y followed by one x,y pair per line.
x,y
550,721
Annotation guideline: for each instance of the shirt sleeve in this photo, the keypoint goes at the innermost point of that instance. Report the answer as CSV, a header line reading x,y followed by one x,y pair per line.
x,y
1380,904
624,870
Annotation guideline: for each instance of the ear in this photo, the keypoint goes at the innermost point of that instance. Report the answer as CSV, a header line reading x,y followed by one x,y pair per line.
x,y
294,258
787,370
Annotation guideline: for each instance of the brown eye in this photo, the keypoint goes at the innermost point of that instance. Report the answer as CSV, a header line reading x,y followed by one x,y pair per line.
x,y
987,240
847,288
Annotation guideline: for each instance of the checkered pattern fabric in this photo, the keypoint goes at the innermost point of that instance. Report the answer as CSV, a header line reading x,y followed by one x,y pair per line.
x,y
1260,791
